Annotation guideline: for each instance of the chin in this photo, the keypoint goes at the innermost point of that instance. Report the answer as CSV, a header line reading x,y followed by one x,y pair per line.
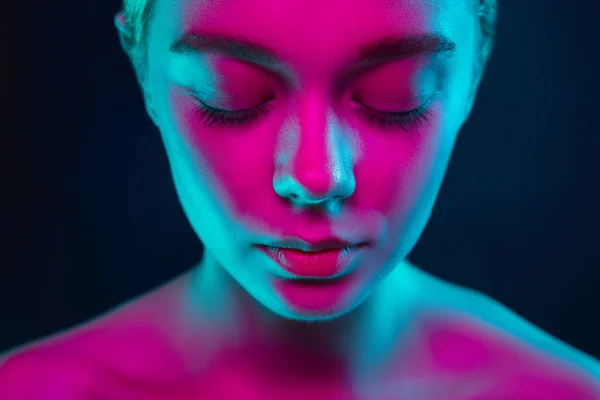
x,y
310,316
302,317
314,313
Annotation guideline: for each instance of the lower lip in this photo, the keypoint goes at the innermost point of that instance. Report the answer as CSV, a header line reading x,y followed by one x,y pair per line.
x,y
315,295
321,264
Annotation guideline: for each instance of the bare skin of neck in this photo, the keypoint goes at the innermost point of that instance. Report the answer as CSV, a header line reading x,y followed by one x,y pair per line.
x,y
338,350
202,336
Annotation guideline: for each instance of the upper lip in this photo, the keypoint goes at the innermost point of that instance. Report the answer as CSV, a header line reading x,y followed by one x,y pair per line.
x,y
312,246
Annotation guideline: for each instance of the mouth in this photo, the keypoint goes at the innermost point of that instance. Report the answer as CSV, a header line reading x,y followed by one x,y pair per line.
x,y
314,262
313,246
314,250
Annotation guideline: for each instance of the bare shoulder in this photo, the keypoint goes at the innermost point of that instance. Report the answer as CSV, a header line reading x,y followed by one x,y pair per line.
x,y
125,344
38,375
498,316
524,356
59,372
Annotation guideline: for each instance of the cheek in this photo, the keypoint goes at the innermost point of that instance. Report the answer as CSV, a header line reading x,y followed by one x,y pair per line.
x,y
392,172
237,160
397,166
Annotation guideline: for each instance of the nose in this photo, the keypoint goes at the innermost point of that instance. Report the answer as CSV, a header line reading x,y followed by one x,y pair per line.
x,y
315,163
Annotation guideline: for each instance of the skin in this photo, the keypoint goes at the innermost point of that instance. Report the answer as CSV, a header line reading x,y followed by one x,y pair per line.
x,y
311,166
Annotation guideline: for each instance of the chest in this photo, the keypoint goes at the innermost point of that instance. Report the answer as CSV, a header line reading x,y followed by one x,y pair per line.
x,y
229,382
443,362
517,389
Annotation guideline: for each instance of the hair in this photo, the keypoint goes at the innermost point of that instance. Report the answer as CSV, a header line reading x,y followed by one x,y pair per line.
x,y
138,13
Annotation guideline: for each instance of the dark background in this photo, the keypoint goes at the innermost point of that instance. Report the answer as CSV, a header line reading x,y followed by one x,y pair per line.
x,y
92,218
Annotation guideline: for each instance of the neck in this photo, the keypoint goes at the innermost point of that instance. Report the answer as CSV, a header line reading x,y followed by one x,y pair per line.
x,y
349,344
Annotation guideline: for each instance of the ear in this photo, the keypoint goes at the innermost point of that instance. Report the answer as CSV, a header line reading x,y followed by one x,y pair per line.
x,y
125,35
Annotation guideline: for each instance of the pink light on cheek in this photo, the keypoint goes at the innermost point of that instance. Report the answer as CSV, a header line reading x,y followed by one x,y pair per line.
x,y
240,158
397,165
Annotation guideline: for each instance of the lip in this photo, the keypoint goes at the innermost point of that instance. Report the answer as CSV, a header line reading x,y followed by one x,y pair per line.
x,y
328,259
315,296
311,245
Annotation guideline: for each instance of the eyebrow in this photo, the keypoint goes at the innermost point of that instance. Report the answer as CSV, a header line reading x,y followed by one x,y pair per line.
x,y
384,49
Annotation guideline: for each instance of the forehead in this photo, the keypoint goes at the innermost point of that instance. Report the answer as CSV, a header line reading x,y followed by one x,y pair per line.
x,y
311,31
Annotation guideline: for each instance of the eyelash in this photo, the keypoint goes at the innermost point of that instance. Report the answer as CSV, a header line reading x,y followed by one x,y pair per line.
x,y
215,116
404,120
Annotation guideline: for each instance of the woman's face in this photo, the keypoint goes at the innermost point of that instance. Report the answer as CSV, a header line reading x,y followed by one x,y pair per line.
x,y
310,120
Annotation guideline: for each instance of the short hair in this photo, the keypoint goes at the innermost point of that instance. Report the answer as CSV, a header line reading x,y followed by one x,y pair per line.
x,y
138,13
